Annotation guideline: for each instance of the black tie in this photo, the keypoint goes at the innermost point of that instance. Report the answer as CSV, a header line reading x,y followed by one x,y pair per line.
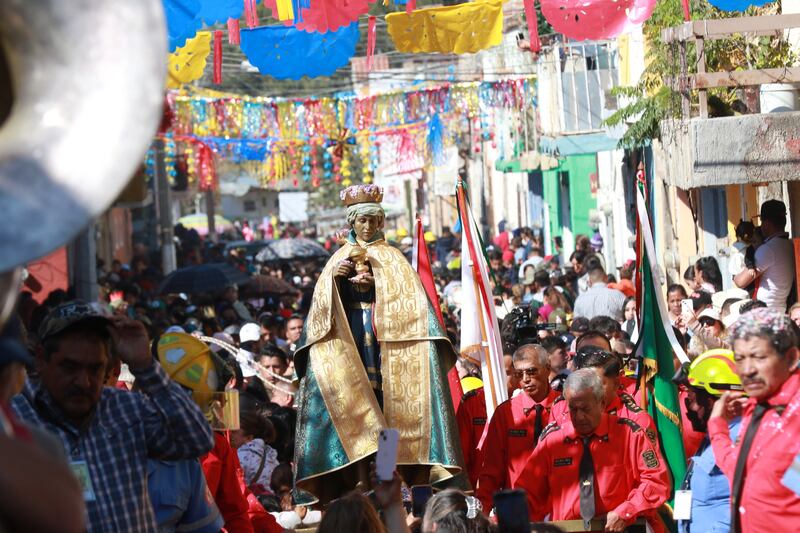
x,y
537,423
741,464
586,480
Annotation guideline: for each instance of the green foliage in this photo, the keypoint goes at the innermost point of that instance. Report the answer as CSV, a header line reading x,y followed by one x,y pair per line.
x,y
650,101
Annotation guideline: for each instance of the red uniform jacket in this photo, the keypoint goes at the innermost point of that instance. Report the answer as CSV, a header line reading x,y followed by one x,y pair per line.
x,y
631,478
623,406
766,504
508,444
471,419
220,465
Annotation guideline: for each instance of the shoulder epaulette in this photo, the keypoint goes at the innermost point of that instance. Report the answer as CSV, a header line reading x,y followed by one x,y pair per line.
x,y
469,394
552,427
630,423
630,403
559,399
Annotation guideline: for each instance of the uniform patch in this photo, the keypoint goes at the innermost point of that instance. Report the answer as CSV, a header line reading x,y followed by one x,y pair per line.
x,y
517,432
651,434
549,428
630,423
562,461
630,403
650,459
479,421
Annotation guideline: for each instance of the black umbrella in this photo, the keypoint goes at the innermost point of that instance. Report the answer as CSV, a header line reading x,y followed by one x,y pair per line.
x,y
210,277
288,249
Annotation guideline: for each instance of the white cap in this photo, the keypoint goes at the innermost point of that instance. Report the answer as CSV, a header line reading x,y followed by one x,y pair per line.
x,y
734,313
246,362
406,241
250,332
224,337
719,298
710,312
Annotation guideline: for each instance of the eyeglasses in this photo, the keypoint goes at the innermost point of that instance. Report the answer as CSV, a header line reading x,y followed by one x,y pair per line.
x,y
707,321
530,372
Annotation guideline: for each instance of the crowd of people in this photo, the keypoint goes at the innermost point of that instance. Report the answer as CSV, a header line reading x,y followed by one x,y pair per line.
x,y
125,394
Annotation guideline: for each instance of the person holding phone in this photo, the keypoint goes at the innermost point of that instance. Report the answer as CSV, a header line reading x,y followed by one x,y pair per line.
x,y
516,424
595,464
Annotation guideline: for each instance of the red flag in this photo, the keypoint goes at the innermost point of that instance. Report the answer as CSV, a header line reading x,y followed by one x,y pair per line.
x,y
233,31
421,261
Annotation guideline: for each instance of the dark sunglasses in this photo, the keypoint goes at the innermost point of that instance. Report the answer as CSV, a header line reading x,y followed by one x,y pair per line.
x,y
530,372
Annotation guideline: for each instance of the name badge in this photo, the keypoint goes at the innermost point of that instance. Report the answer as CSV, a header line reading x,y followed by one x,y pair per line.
x,y
517,432
683,505
479,421
81,471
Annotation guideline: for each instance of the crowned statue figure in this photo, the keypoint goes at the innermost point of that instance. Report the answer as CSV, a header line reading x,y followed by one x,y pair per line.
x,y
373,356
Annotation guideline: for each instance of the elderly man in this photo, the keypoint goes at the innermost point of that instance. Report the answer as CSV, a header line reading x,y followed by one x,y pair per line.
x,y
595,464
766,355
517,423
107,433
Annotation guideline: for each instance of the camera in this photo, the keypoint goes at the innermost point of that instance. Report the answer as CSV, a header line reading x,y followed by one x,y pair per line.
x,y
520,327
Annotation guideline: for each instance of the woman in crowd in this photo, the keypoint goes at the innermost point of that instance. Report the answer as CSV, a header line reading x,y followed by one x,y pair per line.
x,y
453,511
708,276
709,332
630,324
252,442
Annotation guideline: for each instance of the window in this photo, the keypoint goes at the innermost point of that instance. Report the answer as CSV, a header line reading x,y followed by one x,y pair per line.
x,y
249,205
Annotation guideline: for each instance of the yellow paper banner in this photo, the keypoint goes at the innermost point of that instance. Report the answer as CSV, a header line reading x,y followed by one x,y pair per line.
x,y
453,29
188,62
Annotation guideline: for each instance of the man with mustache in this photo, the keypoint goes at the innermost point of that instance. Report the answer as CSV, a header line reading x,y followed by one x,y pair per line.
x,y
108,434
766,354
516,423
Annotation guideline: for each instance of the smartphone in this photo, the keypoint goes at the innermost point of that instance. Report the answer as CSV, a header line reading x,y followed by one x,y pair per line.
x,y
511,507
420,494
687,306
386,460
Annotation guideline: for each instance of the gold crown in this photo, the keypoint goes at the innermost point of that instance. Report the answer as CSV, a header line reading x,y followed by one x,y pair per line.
x,y
360,194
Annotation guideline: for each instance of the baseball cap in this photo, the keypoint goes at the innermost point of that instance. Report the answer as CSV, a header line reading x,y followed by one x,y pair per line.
x,y
250,332
718,299
68,314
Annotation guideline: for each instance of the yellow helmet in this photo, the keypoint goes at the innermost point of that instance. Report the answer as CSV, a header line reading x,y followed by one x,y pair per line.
x,y
188,361
715,372
429,236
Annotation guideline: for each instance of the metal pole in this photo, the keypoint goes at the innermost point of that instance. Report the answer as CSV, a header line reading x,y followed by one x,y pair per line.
x,y
164,211
83,263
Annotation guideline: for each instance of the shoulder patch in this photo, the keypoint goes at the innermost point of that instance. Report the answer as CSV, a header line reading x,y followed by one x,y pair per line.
x,y
552,427
650,459
559,399
651,434
630,403
630,423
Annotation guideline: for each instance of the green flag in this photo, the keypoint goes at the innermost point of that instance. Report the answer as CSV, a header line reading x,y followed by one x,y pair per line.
x,y
656,348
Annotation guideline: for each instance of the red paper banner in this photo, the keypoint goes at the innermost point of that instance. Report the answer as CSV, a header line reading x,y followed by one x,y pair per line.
x,y
533,26
217,57
233,31
370,41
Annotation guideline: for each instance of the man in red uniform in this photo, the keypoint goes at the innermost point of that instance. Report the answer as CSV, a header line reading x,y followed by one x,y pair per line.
x,y
766,355
594,464
471,419
617,402
516,424
599,339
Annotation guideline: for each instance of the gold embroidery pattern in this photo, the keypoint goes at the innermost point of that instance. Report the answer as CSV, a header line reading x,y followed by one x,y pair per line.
x,y
318,323
401,311
406,397
345,388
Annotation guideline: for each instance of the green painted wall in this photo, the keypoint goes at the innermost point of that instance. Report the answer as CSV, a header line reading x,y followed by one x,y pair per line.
x,y
579,170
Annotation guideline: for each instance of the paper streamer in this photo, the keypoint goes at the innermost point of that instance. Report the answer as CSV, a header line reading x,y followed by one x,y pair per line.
x,y
411,5
533,26
736,5
188,62
687,14
250,14
596,19
370,41
285,10
233,31
217,57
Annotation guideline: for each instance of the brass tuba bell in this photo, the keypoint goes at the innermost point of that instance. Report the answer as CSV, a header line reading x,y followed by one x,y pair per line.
x,y
81,92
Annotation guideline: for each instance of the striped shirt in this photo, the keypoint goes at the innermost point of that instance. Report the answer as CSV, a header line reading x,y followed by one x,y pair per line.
x,y
125,429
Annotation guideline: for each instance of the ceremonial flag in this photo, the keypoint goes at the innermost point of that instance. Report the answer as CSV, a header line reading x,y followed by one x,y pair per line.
x,y
656,346
421,262
480,333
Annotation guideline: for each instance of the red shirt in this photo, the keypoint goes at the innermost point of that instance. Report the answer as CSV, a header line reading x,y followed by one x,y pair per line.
x,y
631,477
691,439
766,504
471,419
508,443
623,406
220,466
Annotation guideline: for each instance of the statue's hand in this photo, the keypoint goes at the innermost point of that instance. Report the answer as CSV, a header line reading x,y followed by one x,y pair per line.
x,y
364,280
345,269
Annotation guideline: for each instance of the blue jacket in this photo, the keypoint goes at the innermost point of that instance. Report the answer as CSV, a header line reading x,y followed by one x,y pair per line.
x,y
711,492
180,497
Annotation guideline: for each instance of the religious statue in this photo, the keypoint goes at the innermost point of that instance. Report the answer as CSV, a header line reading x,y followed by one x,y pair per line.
x,y
373,356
